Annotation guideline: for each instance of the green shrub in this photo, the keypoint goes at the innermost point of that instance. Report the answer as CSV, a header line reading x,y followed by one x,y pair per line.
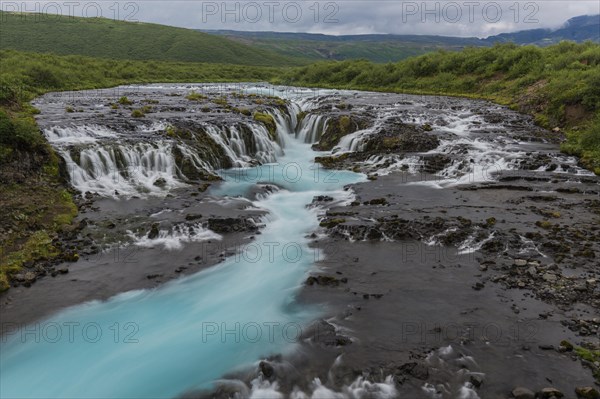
x,y
20,133
193,96
138,113
222,101
44,77
125,101
268,121
10,92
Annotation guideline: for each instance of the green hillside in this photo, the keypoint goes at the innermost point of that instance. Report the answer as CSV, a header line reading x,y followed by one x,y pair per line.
x,y
107,38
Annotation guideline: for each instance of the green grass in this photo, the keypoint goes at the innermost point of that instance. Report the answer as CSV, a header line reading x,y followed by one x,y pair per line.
x,y
107,38
24,75
558,84
269,123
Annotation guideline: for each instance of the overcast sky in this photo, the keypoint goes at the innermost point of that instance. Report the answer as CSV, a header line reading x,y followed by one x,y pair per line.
x,y
452,18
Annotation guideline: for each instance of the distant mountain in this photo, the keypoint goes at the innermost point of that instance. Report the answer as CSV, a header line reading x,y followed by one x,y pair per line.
x,y
107,38
390,48
377,48
577,29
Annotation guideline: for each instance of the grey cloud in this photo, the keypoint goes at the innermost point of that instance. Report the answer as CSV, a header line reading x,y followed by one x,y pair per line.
x,y
453,18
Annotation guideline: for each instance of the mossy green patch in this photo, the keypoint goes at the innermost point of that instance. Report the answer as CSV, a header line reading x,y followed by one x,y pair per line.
x,y
268,121
330,223
193,96
124,101
332,162
138,113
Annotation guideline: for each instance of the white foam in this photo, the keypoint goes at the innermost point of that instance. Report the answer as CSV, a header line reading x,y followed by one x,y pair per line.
x,y
64,135
175,237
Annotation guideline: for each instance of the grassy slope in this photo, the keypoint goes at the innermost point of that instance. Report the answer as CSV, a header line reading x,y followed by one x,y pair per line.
x,y
35,204
559,84
106,38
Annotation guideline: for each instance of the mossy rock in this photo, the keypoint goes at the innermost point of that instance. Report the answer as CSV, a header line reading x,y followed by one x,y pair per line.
x,y
330,223
301,115
222,101
337,128
268,121
544,224
206,149
402,138
377,201
332,162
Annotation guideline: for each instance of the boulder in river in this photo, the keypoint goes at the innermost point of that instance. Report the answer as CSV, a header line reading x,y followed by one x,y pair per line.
x,y
550,393
522,393
587,393
160,182
153,231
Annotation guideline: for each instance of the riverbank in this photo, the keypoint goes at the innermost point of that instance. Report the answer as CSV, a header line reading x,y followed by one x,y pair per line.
x,y
540,82
536,81
465,264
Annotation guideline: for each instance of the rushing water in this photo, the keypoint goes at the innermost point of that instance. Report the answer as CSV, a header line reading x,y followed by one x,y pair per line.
x,y
163,342
190,332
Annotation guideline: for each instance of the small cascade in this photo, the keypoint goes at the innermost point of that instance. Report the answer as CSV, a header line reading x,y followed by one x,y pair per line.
x,y
126,169
115,163
175,237
285,122
245,145
311,128
78,134
354,142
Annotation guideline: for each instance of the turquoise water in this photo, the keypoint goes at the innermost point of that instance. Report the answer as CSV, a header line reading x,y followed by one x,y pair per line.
x,y
163,342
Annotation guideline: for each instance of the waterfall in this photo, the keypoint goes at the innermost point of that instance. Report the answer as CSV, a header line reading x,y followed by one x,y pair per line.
x,y
186,334
78,134
311,128
122,169
105,161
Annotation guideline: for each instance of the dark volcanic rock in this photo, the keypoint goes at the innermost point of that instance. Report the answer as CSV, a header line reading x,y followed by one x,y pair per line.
x,y
400,137
324,333
153,231
230,225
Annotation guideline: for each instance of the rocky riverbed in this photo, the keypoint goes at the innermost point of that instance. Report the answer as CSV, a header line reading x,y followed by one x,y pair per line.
x,y
465,265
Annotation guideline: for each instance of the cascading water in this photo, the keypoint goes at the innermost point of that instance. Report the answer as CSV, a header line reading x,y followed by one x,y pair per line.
x,y
311,128
110,163
188,333
192,331
123,169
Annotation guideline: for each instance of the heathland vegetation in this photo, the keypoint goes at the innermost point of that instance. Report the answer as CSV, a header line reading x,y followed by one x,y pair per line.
x,y
558,85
